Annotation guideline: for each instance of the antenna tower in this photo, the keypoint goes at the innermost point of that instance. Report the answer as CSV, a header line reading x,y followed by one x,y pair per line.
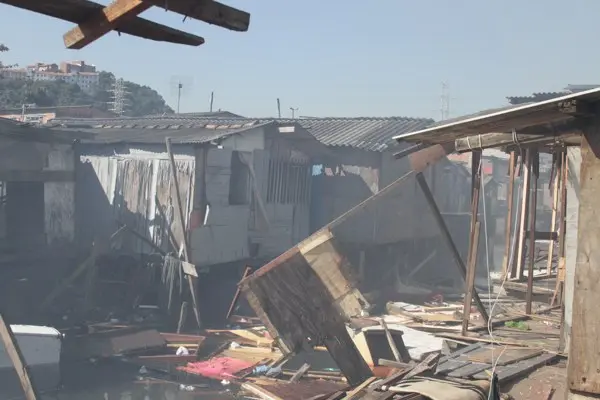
x,y
119,92
445,101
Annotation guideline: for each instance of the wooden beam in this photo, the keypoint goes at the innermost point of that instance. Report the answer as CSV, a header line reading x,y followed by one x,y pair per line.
x,y
103,22
508,226
209,11
535,166
471,271
583,369
16,357
447,237
524,217
186,246
555,193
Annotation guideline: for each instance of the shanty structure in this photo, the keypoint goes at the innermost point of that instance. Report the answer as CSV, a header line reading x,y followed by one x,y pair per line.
x,y
569,128
95,20
37,182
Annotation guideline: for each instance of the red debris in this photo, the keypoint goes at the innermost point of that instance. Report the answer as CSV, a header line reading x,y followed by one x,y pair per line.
x,y
217,368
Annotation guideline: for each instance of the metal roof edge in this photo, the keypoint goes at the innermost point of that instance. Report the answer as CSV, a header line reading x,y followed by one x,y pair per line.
x,y
528,106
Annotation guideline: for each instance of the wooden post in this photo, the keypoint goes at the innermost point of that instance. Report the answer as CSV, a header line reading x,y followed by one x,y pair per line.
x,y
238,291
17,359
509,214
182,316
471,272
535,167
448,239
520,262
390,341
583,370
186,247
555,194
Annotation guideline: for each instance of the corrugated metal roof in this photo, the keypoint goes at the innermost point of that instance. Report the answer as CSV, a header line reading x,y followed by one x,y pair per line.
x,y
375,134
156,129
499,120
368,133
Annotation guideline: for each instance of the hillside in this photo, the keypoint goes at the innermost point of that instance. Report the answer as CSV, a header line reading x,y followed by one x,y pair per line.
x,y
141,100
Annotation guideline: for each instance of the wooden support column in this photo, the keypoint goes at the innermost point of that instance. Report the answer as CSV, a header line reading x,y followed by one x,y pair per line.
x,y
583,370
448,239
509,214
520,262
103,21
476,167
186,246
16,357
555,194
535,168
562,231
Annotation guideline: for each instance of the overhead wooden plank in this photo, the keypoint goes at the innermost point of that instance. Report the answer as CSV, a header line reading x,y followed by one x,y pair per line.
x,y
78,11
103,21
209,11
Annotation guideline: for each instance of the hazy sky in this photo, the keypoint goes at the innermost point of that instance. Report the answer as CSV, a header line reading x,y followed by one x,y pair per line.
x,y
345,57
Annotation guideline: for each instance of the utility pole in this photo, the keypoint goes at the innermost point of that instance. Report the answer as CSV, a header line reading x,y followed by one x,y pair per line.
x,y
119,101
212,99
294,112
278,108
445,101
179,87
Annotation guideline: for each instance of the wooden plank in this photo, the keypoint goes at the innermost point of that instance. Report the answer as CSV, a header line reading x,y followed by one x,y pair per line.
x,y
358,391
18,361
555,192
182,223
300,373
508,226
448,239
583,370
103,21
535,172
471,271
517,270
209,11
75,9
391,342
238,291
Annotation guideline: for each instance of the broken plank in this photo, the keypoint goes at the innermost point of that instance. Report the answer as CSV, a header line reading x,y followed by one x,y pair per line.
x,y
300,373
357,391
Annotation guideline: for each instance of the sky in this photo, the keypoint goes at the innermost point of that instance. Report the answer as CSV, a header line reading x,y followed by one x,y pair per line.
x,y
344,58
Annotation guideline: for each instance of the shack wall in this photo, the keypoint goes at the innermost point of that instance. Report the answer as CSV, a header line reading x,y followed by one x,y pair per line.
x,y
40,209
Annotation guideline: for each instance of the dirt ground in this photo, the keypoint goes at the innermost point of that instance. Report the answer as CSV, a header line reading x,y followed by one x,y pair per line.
x,y
540,383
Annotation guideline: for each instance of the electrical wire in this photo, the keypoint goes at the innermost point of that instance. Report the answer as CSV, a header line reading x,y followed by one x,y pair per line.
x,y
505,277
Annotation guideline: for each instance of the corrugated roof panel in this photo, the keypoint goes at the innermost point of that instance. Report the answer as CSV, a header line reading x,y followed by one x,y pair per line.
x,y
367,133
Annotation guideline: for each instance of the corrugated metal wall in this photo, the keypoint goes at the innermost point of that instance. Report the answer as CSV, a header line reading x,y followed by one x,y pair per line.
x,y
115,190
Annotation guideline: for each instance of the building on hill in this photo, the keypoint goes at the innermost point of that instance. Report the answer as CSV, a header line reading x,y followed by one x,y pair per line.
x,y
75,72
